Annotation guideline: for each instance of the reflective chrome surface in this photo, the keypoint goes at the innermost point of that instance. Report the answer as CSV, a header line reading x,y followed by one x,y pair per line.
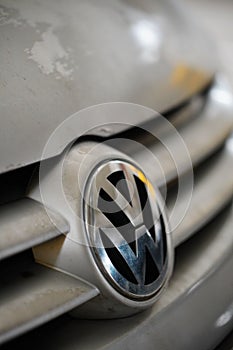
x,y
126,229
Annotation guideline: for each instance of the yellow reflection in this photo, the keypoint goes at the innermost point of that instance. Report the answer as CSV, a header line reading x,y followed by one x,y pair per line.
x,y
144,179
188,78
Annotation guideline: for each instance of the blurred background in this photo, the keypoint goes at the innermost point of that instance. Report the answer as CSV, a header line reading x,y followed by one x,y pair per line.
x,y
216,16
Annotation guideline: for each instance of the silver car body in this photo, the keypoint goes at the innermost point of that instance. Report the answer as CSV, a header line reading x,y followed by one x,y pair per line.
x,y
59,59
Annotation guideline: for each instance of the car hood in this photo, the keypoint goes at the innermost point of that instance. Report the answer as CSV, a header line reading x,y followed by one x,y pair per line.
x,y
60,57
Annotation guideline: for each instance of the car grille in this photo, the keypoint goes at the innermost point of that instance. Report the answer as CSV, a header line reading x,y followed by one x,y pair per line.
x,y
32,294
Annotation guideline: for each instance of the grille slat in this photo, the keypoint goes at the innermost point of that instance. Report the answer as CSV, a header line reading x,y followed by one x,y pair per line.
x,y
213,189
202,136
31,295
26,223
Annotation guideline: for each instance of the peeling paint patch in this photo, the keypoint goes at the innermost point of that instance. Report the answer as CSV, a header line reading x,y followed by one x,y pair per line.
x,y
50,56
48,53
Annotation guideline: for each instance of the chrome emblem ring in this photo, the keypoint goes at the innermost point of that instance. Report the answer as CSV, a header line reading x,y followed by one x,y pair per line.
x,y
127,230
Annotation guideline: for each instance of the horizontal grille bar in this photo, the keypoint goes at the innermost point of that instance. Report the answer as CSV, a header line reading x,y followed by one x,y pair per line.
x,y
31,295
202,136
213,189
26,223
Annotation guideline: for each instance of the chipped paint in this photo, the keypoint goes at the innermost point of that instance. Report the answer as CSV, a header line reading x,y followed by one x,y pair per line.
x,y
48,53
50,56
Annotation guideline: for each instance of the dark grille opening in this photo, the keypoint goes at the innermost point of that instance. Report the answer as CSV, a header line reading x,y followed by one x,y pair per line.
x,y
13,184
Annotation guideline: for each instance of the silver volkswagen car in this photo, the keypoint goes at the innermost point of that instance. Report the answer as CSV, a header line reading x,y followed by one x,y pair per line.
x,y
116,176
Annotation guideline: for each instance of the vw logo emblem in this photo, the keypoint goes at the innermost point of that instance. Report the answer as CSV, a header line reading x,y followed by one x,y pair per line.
x,y
127,230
